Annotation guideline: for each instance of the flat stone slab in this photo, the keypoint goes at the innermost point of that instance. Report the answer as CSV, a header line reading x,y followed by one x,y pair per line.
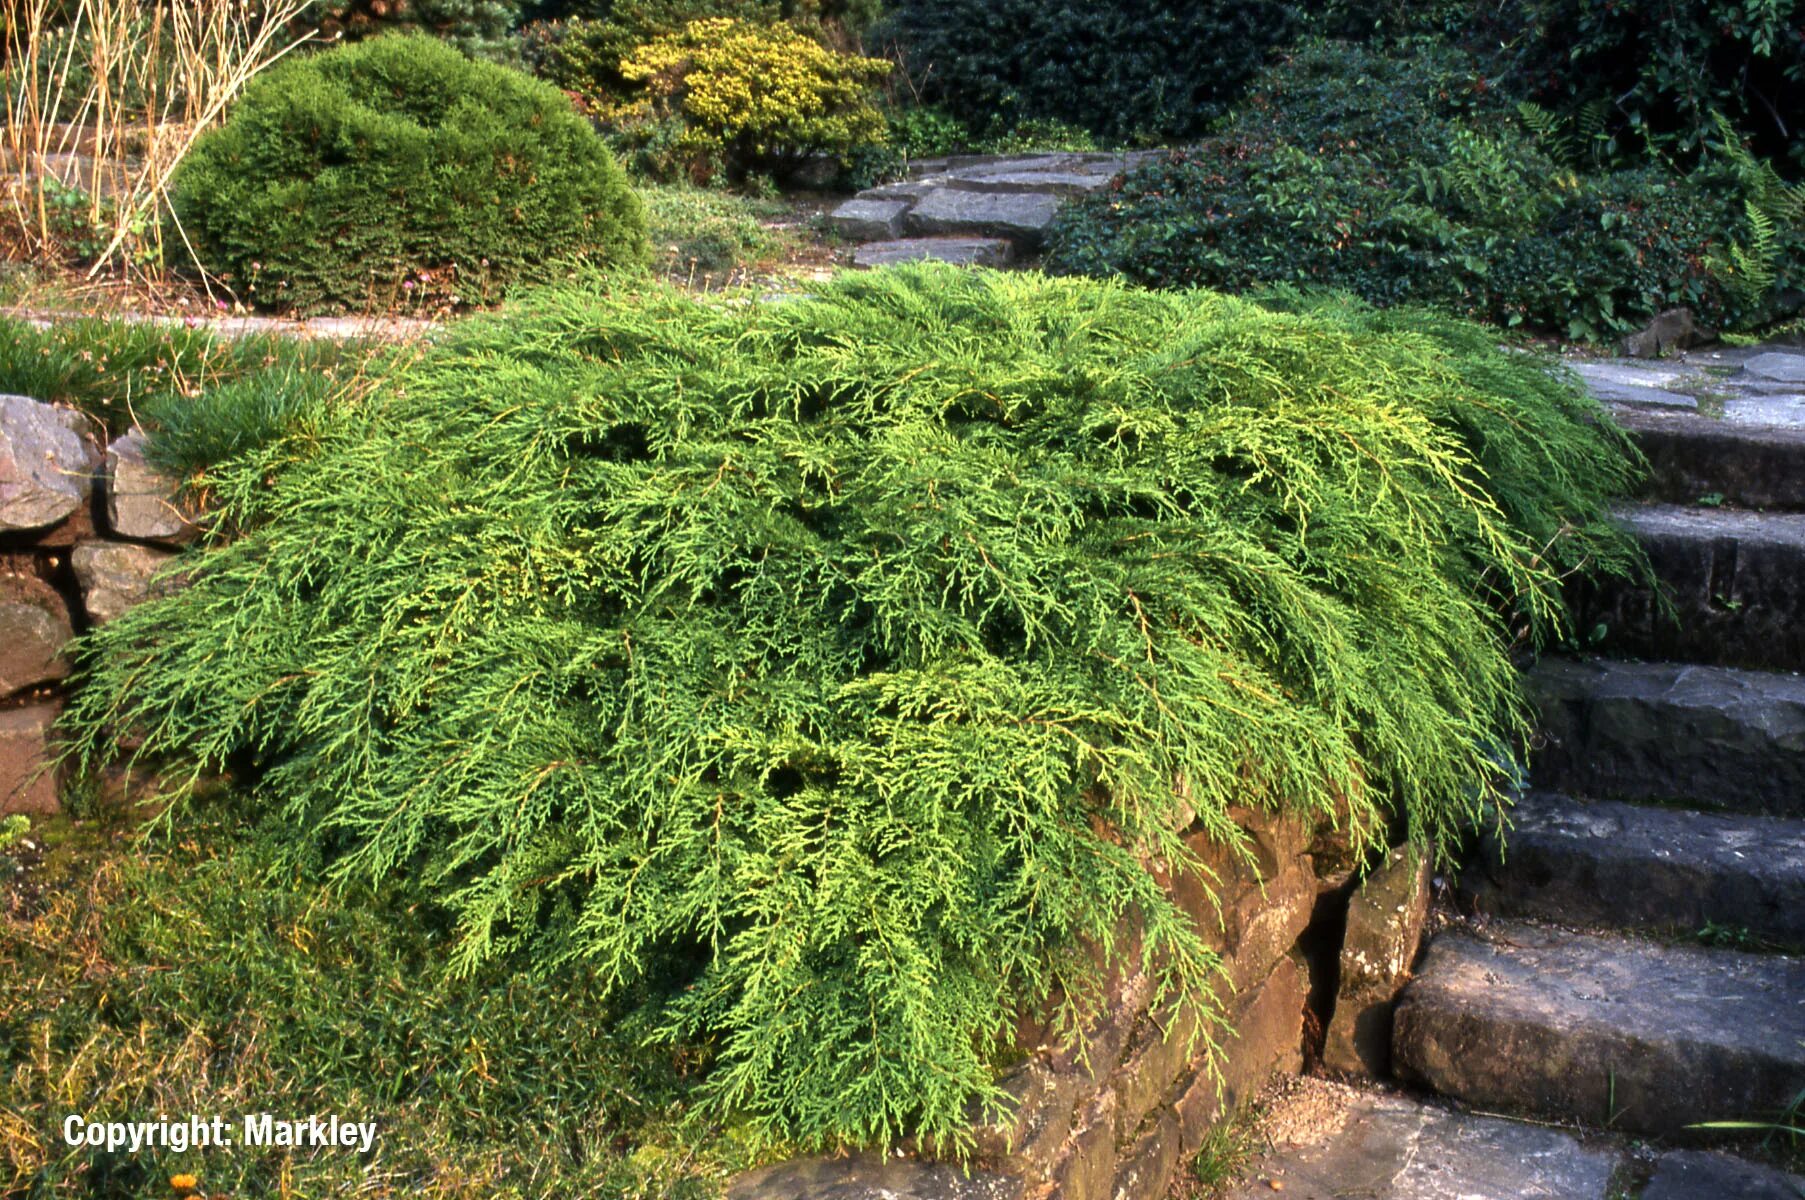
x,y
1022,217
1753,464
1613,864
1776,366
1392,1148
1702,1175
1630,1035
1735,579
1053,183
1710,737
960,251
868,220
1759,386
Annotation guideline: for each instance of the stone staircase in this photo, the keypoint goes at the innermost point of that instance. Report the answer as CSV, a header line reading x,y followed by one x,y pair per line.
x,y
983,210
1670,800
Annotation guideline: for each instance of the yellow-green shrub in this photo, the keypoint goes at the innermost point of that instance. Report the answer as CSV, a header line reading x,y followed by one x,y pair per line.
x,y
729,97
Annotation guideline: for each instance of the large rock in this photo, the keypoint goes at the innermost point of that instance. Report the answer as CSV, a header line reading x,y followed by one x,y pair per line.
x,y
1022,217
1394,1148
115,577
1612,864
143,503
1384,928
46,464
1264,1038
1636,1036
1700,736
34,628
1735,580
27,783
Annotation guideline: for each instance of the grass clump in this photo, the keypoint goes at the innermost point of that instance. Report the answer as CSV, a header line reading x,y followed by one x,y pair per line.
x,y
695,229
180,977
829,676
123,373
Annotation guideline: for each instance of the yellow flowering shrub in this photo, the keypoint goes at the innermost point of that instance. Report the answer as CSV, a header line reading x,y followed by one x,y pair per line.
x,y
733,97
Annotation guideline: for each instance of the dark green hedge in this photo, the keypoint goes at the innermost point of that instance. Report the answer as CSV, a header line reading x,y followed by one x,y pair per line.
x,y
1410,177
362,174
1138,69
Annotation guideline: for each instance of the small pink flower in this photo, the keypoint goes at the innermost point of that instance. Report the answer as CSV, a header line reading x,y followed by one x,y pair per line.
x,y
408,285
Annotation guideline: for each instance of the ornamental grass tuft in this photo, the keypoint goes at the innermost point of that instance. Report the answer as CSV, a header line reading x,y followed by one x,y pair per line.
x,y
824,675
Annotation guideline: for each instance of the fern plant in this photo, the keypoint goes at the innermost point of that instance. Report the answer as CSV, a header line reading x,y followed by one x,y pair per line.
x,y
826,675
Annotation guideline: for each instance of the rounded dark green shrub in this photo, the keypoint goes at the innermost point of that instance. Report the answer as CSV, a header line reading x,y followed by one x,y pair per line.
x,y
1138,69
398,167
833,677
1409,177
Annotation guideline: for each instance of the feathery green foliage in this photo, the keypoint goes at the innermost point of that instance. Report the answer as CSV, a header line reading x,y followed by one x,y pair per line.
x,y
829,672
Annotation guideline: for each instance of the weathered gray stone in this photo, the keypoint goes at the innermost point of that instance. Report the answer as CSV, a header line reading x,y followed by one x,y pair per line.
x,y
1392,1148
1031,1138
1632,1035
1021,217
1736,582
46,465
1089,1167
116,576
1608,863
868,220
1756,466
1635,383
959,251
1161,1049
27,784
871,1177
1777,367
1702,736
1265,1036
1052,183
1384,928
1702,1175
142,502
1773,410
34,628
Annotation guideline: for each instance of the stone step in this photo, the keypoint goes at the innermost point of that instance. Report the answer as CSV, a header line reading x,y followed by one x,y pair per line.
x,y
1704,1175
1623,1034
1691,456
1736,581
1626,865
960,251
1702,737
1385,1147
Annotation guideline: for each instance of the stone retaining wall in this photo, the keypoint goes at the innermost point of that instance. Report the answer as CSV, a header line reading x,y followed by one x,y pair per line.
x,y
85,525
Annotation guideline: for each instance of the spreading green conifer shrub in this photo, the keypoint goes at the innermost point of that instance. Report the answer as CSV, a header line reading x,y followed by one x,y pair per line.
x,y
398,167
825,674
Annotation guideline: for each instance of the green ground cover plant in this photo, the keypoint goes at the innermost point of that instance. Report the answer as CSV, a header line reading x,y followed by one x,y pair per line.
x,y
1406,176
398,167
198,973
823,679
693,229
